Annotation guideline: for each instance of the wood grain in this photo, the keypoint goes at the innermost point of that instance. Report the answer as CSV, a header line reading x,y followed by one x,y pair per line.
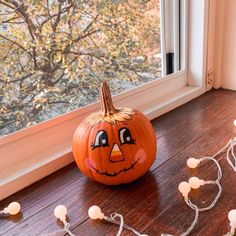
x,y
151,204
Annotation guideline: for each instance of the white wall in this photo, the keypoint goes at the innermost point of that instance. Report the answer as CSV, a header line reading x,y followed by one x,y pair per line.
x,y
225,44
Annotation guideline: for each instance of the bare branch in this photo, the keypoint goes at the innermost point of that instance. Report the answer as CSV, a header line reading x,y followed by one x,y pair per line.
x,y
7,5
60,101
17,80
21,9
86,35
91,23
15,43
54,26
11,19
54,15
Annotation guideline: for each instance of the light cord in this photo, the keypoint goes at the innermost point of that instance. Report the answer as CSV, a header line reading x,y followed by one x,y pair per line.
x,y
214,201
67,229
231,233
197,210
219,172
193,206
121,224
231,151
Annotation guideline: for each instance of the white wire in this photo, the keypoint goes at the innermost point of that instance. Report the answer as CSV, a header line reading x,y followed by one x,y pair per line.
x,y
216,182
193,206
121,224
67,229
214,201
219,172
231,233
231,149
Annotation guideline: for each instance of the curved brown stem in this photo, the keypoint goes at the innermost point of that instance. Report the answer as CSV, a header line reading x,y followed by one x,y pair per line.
x,y
106,100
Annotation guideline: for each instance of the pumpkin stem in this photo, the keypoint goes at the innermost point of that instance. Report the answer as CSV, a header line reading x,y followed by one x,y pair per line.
x,y
106,100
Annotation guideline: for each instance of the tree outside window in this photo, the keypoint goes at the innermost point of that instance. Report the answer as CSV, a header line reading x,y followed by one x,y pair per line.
x,y
54,54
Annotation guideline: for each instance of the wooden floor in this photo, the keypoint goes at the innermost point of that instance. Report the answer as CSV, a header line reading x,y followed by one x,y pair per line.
x,y
152,204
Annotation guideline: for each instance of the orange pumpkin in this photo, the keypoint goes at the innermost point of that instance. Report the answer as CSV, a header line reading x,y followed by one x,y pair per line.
x,y
114,146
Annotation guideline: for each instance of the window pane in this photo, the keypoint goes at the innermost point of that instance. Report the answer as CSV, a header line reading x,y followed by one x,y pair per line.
x,y
54,54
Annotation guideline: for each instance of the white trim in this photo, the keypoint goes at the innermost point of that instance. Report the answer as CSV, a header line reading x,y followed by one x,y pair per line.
x,y
197,41
163,42
176,35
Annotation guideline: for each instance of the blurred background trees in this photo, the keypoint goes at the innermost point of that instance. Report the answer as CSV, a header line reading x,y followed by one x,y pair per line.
x,y
55,53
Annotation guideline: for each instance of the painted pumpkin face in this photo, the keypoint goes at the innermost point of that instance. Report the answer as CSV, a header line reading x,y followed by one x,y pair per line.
x,y
116,147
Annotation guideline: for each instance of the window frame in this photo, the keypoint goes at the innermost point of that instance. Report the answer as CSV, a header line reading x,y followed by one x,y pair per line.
x,y
46,147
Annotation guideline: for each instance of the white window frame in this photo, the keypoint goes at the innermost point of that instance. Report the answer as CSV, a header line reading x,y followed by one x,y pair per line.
x,y
35,152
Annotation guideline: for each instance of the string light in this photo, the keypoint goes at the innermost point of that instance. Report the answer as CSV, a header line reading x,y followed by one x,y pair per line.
x,y
94,213
193,162
12,209
232,220
60,212
195,183
184,188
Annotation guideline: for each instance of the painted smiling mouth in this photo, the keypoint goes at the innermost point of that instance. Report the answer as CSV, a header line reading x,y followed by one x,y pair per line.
x,y
115,173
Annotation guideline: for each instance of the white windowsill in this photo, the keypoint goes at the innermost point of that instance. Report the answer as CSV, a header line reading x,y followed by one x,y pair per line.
x,y
30,170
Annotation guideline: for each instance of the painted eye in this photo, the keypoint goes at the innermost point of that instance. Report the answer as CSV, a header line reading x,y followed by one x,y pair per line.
x,y
125,136
101,139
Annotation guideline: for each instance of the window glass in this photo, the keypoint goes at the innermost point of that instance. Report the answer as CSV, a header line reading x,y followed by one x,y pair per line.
x,y
54,54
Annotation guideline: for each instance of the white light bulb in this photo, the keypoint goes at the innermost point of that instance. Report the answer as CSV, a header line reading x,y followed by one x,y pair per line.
x,y
184,188
195,182
95,212
193,162
232,218
60,212
13,208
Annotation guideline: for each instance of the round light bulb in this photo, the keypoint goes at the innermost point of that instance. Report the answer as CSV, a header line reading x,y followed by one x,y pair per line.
x,y
184,188
195,182
232,218
60,212
193,162
13,208
95,212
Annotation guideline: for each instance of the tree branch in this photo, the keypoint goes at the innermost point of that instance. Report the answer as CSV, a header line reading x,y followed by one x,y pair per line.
x,y
55,24
17,80
15,43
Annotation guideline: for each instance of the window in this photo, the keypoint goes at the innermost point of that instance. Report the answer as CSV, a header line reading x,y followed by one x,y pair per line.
x,y
56,53
32,153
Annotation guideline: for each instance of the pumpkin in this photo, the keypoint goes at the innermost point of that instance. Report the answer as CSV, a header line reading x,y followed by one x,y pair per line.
x,y
114,146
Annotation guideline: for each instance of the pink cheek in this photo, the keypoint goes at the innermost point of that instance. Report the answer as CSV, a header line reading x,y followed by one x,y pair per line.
x,y
89,162
140,155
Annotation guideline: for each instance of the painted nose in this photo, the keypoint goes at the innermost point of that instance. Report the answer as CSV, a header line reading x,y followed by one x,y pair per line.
x,y
116,154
